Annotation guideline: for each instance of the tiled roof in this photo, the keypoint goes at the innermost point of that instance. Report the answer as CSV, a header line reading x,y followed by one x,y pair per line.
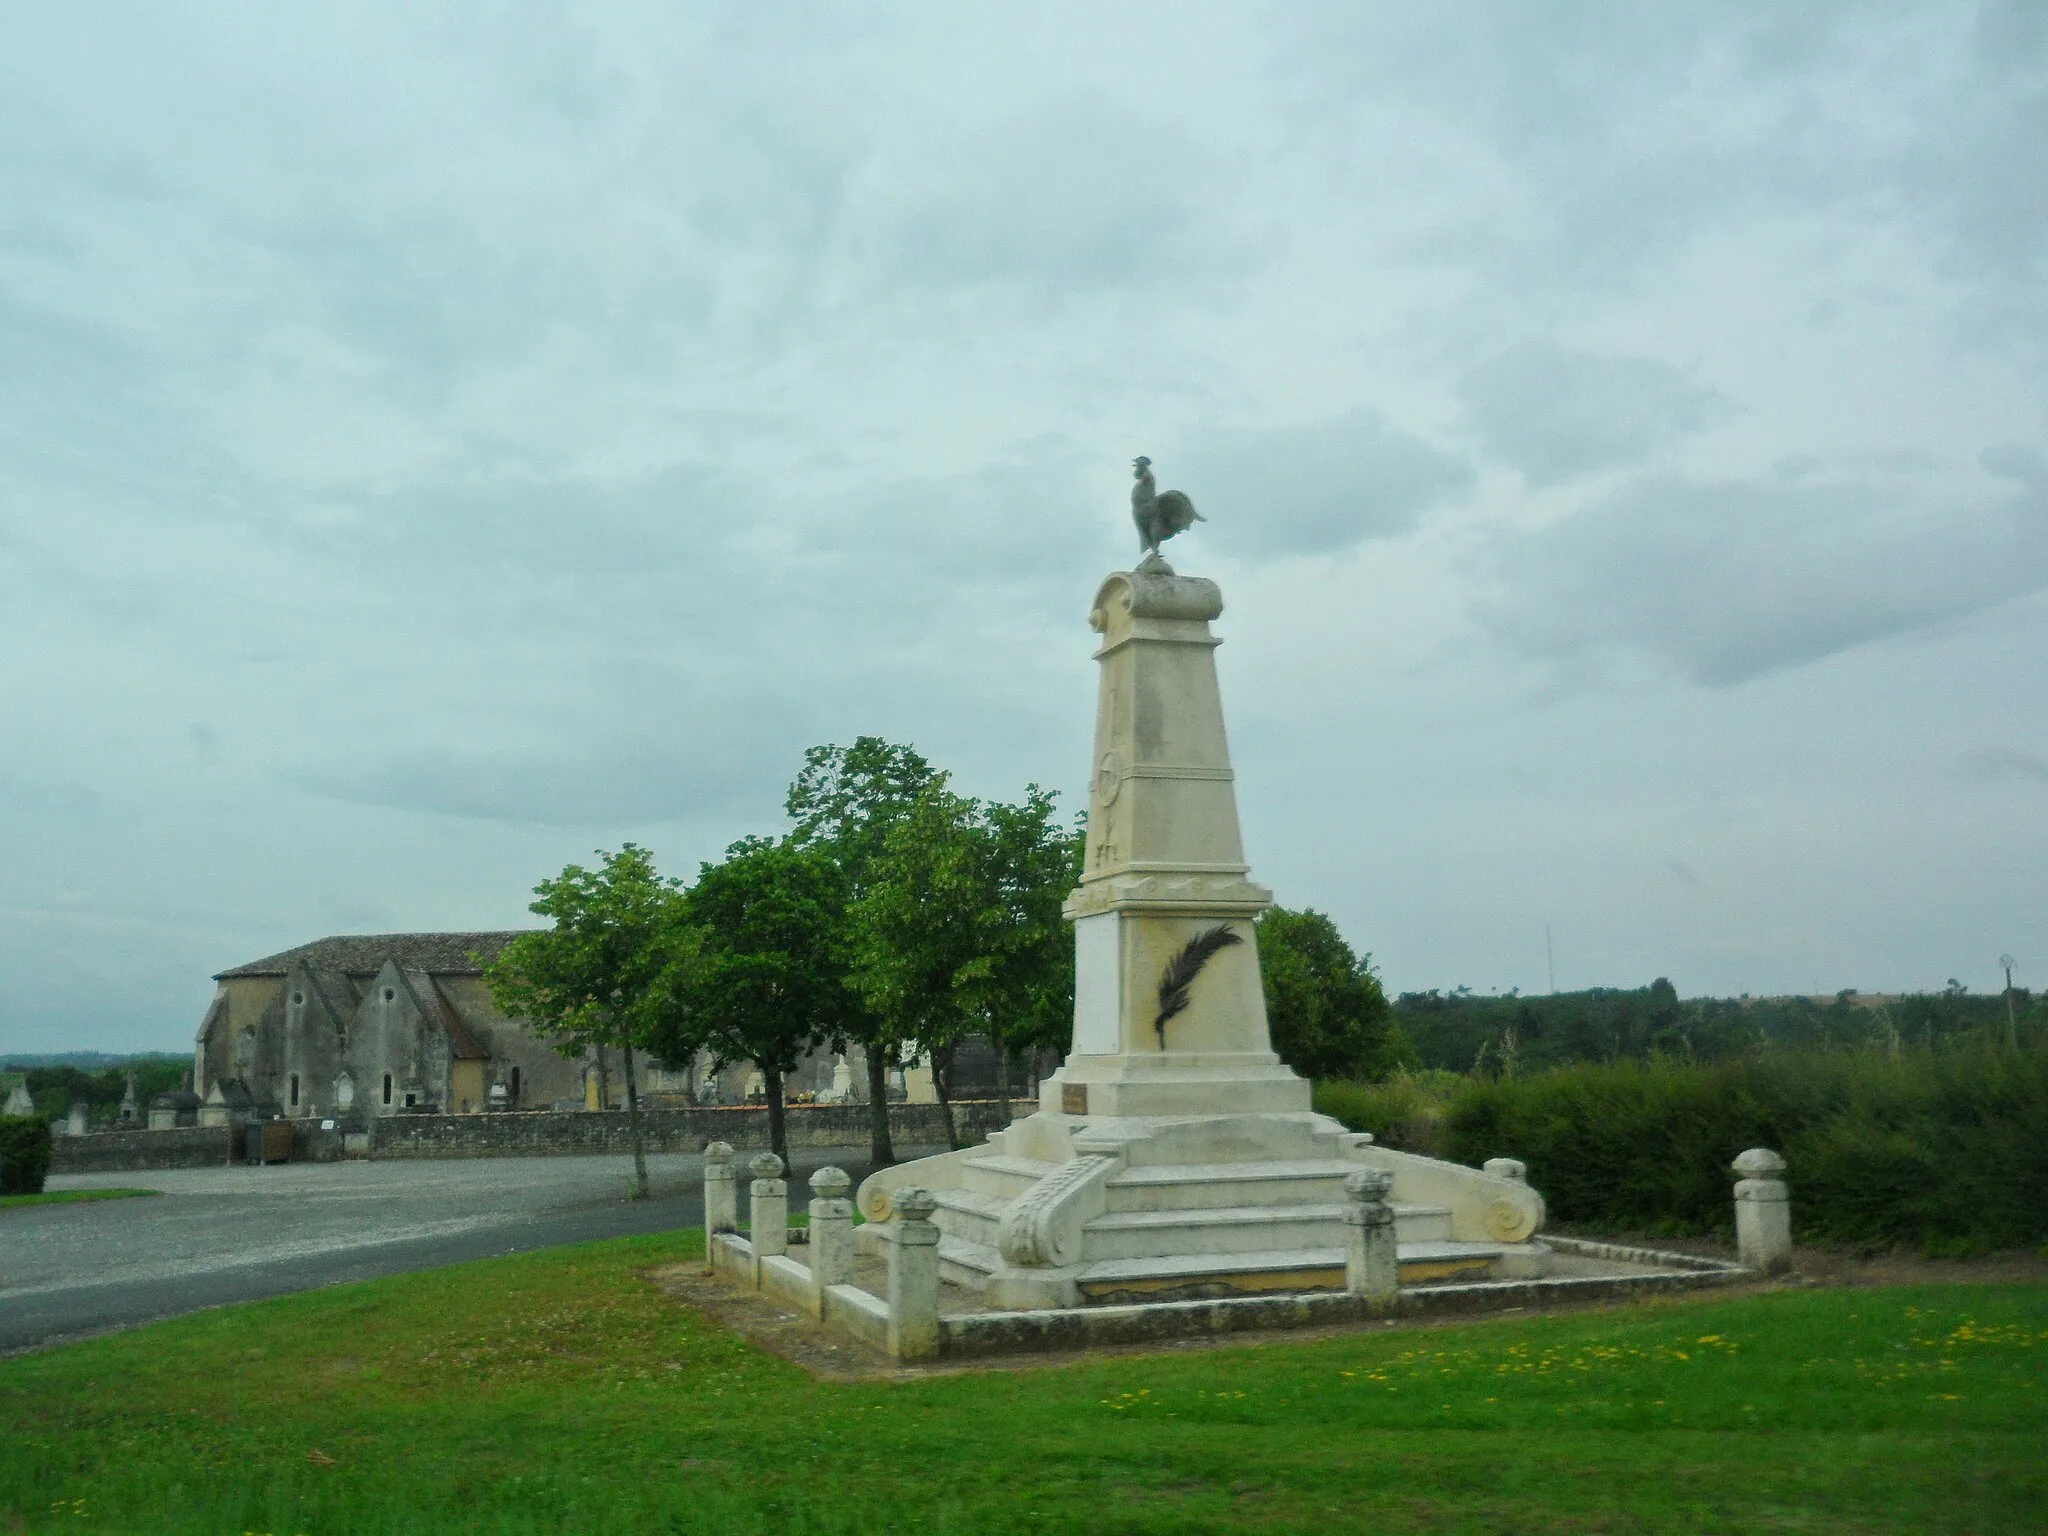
x,y
364,954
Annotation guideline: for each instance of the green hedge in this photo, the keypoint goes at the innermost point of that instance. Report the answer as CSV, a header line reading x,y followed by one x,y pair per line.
x,y
1406,1112
1944,1151
25,1148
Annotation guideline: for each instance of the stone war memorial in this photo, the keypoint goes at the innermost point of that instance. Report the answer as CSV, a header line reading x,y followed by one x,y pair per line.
x,y
1174,1179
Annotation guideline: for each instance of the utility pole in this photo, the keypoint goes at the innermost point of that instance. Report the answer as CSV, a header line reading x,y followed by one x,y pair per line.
x,y
1550,959
2012,1028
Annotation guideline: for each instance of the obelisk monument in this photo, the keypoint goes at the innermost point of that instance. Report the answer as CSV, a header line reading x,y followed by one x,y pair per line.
x,y
1169,1013
1173,1155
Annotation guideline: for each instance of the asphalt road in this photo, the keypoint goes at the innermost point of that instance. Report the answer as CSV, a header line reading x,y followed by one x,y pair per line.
x,y
218,1235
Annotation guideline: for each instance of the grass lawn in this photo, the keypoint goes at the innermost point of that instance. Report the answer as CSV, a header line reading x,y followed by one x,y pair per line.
x,y
561,1392
71,1196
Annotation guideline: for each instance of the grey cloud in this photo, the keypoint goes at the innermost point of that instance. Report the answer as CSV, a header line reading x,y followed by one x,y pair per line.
x,y
1612,136
1082,194
48,795
1991,764
2015,461
625,784
1626,130
1553,413
1726,582
1316,487
555,419
703,763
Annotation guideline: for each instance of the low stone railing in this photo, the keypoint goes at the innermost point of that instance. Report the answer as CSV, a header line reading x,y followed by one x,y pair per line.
x,y
906,1324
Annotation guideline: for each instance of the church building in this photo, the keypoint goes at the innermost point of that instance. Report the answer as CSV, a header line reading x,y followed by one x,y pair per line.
x,y
363,1025
376,1024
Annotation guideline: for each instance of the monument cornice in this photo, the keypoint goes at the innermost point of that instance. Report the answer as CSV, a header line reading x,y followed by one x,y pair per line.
x,y
1219,892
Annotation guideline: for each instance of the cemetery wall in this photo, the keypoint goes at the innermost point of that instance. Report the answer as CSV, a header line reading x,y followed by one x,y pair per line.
x,y
669,1130
203,1146
544,1134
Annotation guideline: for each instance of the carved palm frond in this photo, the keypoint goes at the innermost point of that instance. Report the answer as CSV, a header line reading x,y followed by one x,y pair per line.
x,y
1183,968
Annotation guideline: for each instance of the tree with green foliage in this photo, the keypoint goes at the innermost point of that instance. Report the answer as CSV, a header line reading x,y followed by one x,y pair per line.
x,y
844,801
1329,1016
1462,1030
917,933
1031,983
602,974
959,931
769,979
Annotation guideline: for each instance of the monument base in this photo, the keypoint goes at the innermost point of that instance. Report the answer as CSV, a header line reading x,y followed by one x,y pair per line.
x,y
1064,1210
1175,1083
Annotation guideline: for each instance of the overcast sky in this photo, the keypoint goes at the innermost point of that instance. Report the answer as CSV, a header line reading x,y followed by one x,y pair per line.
x,y
439,441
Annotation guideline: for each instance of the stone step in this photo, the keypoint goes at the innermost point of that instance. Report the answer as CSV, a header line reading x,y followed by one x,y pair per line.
x,y
1421,1223
997,1174
1302,1269
1164,1276
1244,1228
1217,1229
965,1264
1272,1141
969,1214
1443,1260
1211,1185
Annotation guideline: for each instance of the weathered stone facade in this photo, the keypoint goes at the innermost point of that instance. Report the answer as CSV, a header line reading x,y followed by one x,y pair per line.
x,y
361,1027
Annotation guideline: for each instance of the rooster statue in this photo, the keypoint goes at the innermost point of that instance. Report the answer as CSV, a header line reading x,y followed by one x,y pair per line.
x,y
1159,517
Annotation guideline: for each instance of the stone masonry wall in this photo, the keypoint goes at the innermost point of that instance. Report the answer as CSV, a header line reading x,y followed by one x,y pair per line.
x,y
547,1134
140,1151
667,1130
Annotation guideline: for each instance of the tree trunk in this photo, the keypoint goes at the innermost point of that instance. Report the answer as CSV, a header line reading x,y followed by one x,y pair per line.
x,y
633,1125
604,1081
778,1138
881,1152
942,1068
1003,1079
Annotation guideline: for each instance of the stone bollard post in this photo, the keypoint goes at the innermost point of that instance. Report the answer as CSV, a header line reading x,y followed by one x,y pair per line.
x,y
721,1192
831,1232
1372,1264
914,1276
768,1210
1763,1211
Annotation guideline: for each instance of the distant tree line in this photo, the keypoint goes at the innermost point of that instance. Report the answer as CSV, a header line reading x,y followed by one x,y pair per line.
x,y
1496,1035
895,914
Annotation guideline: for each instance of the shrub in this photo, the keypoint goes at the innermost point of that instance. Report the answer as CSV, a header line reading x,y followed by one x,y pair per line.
x,y
25,1148
1946,1150
1405,1112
